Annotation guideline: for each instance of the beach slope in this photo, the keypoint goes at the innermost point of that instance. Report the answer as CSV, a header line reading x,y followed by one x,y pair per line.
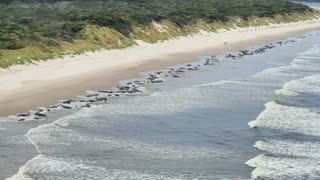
x,y
25,87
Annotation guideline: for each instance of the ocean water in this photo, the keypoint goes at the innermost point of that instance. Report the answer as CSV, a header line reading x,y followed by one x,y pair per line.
x,y
315,5
254,117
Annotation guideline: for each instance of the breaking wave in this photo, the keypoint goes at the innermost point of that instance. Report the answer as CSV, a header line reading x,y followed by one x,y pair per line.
x,y
292,152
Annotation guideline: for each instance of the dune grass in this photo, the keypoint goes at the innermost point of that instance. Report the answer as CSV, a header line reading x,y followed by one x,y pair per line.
x,y
96,38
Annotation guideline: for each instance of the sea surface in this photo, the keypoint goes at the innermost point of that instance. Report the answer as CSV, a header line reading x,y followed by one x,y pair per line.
x,y
254,117
315,5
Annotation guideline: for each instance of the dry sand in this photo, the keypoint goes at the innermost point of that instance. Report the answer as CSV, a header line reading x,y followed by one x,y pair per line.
x,y
26,87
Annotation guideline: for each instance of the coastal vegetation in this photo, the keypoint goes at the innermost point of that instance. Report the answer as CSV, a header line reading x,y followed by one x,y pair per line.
x,y
33,30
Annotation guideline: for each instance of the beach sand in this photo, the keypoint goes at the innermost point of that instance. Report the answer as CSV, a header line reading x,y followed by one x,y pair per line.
x,y
29,86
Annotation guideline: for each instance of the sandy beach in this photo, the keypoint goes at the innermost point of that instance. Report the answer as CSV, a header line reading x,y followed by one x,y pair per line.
x,y
26,87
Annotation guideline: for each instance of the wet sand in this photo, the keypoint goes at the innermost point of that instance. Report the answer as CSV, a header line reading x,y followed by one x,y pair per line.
x,y
38,92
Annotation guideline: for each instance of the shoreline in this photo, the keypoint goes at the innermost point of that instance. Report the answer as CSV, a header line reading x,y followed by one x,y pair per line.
x,y
27,87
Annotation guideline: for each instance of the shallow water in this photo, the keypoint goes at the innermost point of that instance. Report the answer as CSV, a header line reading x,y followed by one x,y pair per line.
x,y
193,127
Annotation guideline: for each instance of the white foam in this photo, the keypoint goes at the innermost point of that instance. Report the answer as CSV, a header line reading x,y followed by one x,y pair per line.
x,y
309,84
284,168
47,167
285,92
158,103
304,65
222,82
54,138
291,160
287,158
293,119
18,139
290,148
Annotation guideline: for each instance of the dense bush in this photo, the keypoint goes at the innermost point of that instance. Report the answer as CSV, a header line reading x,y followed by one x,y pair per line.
x,y
22,21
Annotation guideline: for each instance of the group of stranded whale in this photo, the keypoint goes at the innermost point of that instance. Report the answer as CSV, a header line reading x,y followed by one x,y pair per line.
x,y
134,87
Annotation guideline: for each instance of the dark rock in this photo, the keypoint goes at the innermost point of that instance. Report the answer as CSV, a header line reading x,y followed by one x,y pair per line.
x,y
102,99
230,56
54,107
105,91
124,88
68,101
92,95
135,90
86,106
23,115
155,81
40,114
